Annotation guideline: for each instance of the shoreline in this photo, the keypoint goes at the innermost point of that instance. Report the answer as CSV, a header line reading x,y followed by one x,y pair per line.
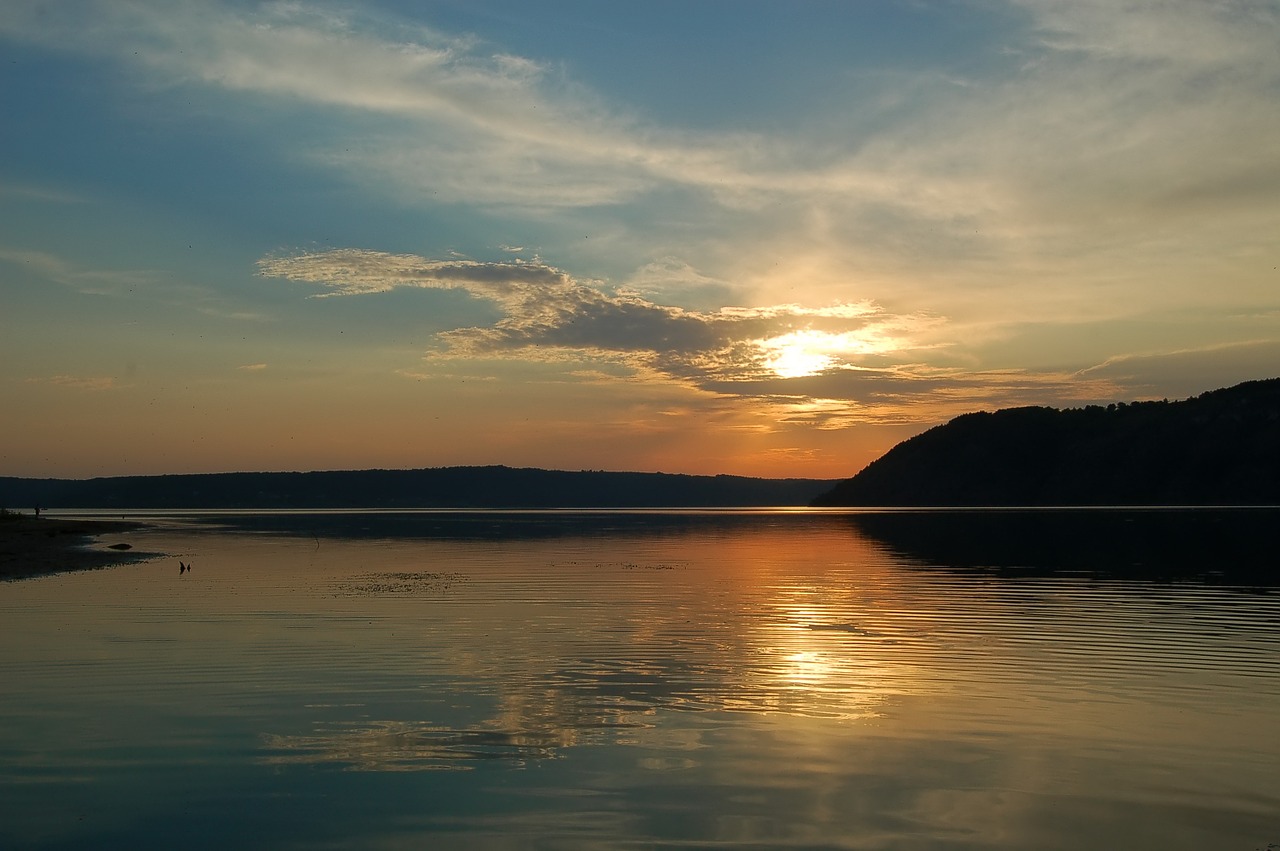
x,y
31,546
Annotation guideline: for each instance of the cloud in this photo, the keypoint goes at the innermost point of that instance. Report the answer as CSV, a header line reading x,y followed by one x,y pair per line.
x,y
252,367
461,119
1116,114
549,313
155,286
825,366
88,281
41,194
912,392
1115,157
77,382
1186,32
1130,107
361,271
1181,373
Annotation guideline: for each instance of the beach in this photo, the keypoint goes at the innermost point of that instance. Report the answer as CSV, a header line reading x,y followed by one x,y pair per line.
x,y
31,546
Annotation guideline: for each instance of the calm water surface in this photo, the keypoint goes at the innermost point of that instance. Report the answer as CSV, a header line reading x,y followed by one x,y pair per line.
x,y
731,679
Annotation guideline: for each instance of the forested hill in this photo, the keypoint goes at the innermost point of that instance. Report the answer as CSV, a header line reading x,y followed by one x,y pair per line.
x,y
445,487
1219,448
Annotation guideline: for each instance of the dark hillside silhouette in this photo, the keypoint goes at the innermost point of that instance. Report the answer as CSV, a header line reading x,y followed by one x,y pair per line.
x,y
444,487
1219,448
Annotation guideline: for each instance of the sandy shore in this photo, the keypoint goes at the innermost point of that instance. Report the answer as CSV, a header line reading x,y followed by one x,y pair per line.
x,y
34,547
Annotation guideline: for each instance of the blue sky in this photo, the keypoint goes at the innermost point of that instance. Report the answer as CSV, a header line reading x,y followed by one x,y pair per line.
x,y
739,237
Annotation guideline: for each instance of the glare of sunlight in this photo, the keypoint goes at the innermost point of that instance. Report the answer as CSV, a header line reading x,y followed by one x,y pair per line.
x,y
794,359
807,668
808,352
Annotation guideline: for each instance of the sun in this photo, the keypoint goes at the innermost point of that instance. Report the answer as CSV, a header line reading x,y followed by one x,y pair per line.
x,y
799,353
794,360
808,352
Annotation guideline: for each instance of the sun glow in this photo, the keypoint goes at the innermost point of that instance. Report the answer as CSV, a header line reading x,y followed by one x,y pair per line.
x,y
810,352
795,359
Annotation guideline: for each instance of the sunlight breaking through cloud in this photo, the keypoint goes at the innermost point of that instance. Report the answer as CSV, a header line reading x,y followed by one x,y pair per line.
x,y
810,351
793,357
548,314
548,310
827,366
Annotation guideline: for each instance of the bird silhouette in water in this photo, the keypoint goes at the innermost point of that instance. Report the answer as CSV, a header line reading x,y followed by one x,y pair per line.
x,y
183,568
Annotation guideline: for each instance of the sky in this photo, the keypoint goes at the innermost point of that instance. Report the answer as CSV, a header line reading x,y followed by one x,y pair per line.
x,y
725,236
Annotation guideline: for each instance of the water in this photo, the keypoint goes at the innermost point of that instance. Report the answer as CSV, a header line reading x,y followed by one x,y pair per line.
x,y
630,680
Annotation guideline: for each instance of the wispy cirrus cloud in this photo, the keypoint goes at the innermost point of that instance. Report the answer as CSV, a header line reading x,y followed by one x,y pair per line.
x,y
1181,372
154,285
84,280
480,124
461,119
1185,32
42,194
77,382
1115,124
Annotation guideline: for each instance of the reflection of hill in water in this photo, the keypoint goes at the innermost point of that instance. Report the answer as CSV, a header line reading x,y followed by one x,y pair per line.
x,y
1221,545
497,525
1218,544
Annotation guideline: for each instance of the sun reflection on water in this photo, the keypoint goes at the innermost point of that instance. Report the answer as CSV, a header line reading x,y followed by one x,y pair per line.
x,y
781,680
598,649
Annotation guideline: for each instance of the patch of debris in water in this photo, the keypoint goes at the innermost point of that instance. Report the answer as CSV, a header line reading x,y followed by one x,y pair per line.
x,y
398,583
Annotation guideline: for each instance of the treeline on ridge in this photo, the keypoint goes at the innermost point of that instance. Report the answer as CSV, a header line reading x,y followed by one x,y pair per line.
x,y
1219,448
443,487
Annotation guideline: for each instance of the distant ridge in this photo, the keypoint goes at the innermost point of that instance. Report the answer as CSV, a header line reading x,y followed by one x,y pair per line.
x,y
1219,448
441,487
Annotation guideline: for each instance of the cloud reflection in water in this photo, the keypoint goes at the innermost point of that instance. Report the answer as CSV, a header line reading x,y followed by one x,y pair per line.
x,y
530,659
